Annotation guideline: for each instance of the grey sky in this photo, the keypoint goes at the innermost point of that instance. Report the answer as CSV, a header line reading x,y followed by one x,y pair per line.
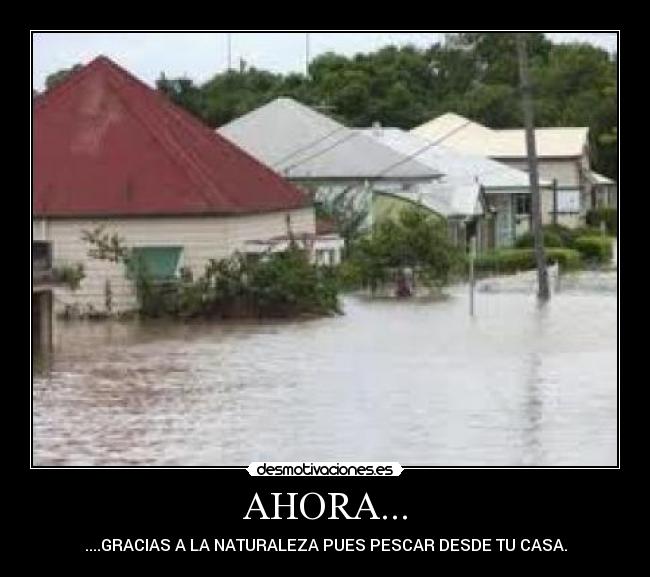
x,y
199,55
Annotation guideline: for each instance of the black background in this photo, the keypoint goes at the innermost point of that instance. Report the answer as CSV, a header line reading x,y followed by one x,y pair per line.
x,y
76,509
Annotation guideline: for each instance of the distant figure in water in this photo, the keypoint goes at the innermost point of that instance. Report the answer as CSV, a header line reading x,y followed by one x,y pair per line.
x,y
404,285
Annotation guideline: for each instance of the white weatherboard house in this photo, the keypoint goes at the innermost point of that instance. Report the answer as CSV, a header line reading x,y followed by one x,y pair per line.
x,y
471,185
109,151
320,154
563,159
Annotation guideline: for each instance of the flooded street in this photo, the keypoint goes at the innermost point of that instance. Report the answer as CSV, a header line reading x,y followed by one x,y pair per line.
x,y
421,383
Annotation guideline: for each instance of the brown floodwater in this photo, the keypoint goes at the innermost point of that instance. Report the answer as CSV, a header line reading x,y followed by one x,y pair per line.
x,y
419,382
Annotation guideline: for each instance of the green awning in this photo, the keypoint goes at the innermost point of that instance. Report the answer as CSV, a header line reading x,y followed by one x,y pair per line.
x,y
158,262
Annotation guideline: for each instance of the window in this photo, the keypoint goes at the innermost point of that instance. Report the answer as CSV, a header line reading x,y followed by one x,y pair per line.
x,y
159,262
568,201
522,204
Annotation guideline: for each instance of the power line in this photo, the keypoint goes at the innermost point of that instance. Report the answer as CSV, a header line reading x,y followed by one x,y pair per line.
x,y
349,136
229,51
424,148
307,146
352,134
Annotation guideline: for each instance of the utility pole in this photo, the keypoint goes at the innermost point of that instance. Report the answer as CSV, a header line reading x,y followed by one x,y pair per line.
x,y
555,208
533,171
229,51
472,279
307,53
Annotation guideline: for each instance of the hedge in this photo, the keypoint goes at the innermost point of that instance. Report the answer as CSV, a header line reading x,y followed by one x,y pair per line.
x,y
607,215
520,259
595,249
551,239
557,236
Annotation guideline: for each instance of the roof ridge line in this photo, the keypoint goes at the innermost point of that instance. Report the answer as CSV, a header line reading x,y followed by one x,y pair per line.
x,y
182,167
286,157
497,130
174,152
309,110
351,134
210,134
118,72
64,86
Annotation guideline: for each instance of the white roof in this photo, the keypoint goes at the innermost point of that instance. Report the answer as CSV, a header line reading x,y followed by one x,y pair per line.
x,y
561,142
598,179
457,192
459,133
457,168
444,199
300,143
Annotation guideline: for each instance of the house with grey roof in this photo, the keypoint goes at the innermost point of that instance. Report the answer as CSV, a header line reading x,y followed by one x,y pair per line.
x,y
331,162
306,146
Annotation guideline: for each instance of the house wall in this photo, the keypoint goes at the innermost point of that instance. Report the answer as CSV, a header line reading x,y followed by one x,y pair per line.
x,y
202,238
39,229
568,173
612,196
505,219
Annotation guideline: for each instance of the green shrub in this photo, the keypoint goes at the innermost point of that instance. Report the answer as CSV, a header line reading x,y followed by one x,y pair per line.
x,y
69,275
520,259
596,249
584,231
558,236
551,239
277,285
349,275
413,240
287,284
567,258
607,215
565,233
157,298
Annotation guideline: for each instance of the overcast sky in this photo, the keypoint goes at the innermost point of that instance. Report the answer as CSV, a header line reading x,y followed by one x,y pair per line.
x,y
199,55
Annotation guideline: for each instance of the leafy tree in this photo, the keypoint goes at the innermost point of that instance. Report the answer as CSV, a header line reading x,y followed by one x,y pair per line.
x,y
59,76
351,98
347,212
608,152
473,74
497,105
416,240
495,55
183,92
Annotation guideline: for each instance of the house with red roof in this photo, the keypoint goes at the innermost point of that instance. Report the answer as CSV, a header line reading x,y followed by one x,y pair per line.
x,y
110,151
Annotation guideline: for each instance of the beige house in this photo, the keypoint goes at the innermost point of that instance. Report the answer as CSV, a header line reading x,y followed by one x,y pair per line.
x,y
564,159
111,152
178,242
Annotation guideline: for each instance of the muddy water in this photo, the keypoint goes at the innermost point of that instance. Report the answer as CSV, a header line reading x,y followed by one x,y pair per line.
x,y
416,382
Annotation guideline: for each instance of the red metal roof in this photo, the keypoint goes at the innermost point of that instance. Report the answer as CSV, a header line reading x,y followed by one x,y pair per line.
x,y
105,144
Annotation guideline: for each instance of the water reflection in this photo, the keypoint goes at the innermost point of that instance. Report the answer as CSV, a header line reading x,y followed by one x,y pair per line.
x,y
417,382
533,411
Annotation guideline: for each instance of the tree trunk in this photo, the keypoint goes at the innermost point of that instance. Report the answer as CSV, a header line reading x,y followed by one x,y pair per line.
x,y
533,171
